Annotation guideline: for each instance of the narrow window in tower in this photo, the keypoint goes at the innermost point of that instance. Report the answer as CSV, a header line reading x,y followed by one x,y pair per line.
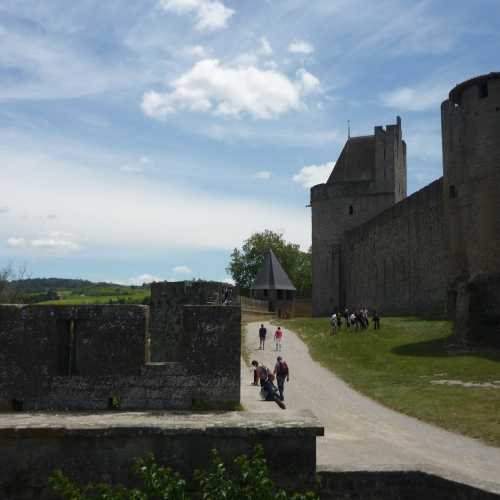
x,y
351,209
483,90
453,192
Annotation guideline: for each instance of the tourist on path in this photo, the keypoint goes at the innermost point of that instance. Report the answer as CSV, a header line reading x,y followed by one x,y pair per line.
x,y
281,372
268,390
278,338
334,322
262,336
261,373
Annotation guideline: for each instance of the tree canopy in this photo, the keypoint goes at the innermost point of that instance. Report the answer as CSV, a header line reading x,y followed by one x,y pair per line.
x,y
245,262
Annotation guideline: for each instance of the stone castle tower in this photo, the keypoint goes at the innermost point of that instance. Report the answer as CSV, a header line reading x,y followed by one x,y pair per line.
x,y
471,154
369,176
434,253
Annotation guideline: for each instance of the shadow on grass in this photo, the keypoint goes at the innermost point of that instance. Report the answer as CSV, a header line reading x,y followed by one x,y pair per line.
x,y
445,348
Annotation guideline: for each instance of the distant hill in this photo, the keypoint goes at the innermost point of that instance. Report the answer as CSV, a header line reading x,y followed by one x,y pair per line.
x,y
65,291
40,285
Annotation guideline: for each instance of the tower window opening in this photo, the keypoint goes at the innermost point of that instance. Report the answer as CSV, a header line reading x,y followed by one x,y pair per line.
x,y
351,210
453,192
483,90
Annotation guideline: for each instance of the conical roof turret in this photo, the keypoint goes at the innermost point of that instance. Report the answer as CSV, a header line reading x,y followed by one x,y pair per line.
x,y
271,275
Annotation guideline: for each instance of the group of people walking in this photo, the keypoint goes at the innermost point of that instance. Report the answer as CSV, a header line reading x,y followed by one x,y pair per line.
x,y
356,319
266,377
278,337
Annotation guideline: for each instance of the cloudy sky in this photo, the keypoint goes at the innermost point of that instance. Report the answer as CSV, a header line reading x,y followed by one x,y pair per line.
x,y
147,139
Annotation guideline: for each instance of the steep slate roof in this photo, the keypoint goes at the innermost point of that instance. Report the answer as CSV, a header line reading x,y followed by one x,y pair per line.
x,y
271,275
356,161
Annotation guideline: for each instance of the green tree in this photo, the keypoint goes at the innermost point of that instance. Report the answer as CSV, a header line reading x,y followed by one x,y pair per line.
x,y
245,262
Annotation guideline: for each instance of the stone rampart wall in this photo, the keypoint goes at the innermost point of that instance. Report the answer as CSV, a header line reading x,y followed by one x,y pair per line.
x,y
97,358
397,262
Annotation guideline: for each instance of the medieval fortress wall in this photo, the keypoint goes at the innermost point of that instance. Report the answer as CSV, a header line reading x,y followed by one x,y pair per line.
x,y
435,253
396,262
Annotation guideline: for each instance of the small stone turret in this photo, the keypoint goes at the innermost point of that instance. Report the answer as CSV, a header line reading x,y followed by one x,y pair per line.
x,y
471,155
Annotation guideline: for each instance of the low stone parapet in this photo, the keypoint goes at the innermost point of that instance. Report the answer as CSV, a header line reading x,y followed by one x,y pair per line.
x,y
102,446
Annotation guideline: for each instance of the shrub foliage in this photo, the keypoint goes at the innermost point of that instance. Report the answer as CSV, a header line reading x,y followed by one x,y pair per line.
x,y
247,479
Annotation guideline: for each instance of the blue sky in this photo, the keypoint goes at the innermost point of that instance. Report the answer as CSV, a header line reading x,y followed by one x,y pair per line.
x,y
147,139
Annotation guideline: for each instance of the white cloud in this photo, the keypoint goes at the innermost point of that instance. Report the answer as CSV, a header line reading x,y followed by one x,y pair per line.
x,y
313,174
4,209
127,213
209,86
54,244
229,281
301,47
49,240
16,242
195,51
182,270
265,47
308,82
144,160
143,278
211,15
263,175
421,98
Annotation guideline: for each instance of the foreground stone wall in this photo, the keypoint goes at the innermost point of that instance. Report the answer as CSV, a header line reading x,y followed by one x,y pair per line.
x,y
42,347
211,350
97,358
167,302
397,262
102,447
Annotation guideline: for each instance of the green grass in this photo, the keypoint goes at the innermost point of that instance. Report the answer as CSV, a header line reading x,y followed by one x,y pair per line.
x,y
73,299
397,364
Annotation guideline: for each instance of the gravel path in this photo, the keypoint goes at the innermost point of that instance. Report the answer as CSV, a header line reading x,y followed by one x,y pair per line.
x,y
361,434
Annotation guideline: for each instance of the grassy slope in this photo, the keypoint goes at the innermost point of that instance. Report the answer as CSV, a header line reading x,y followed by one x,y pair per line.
x,y
397,364
100,294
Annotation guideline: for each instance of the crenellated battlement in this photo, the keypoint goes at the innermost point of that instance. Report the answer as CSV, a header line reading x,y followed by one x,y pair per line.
x,y
99,357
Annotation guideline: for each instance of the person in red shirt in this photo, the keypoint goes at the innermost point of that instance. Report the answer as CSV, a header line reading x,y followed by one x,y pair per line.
x,y
278,338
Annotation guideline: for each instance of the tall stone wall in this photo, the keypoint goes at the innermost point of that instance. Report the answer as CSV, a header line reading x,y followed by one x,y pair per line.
x,y
397,261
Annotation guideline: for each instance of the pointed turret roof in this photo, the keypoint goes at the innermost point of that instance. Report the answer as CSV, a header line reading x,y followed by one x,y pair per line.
x,y
271,276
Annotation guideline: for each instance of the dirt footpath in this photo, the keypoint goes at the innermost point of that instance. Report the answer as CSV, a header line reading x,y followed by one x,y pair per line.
x,y
359,433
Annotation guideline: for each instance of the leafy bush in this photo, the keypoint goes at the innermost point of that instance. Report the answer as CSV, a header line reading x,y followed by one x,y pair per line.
x,y
248,480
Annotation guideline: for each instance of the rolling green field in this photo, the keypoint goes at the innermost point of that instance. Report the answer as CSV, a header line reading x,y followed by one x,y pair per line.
x,y
412,366
75,292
